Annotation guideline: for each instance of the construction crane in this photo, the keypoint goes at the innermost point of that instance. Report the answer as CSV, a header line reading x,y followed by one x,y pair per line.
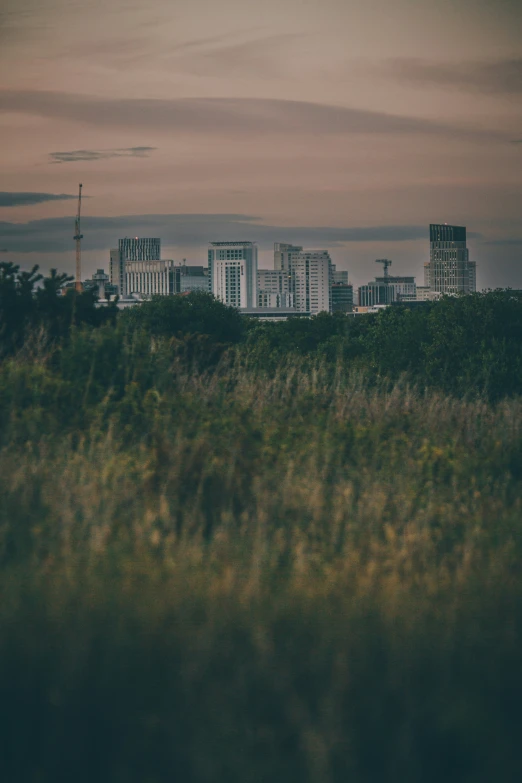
x,y
386,263
78,236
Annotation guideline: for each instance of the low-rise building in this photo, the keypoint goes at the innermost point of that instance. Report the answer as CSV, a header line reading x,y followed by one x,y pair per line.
x,y
375,293
192,278
368,310
272,314
150,278
403,286
101,285
426,294
273,288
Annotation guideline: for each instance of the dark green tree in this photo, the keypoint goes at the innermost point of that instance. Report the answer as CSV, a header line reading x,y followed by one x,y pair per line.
x,y
29,301
195,313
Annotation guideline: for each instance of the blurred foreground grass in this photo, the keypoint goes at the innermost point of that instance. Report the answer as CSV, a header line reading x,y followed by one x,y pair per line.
x,y
241,576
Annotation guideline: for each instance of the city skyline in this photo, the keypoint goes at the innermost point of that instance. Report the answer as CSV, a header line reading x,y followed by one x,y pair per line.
x,y
301,280
342,126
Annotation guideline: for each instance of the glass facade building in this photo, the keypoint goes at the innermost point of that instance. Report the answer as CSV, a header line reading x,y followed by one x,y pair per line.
x,y
449,270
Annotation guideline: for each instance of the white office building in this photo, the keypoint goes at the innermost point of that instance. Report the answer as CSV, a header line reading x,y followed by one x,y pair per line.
x,y
150,278
425,294
230,283
283,254
131,249
232,273
312,281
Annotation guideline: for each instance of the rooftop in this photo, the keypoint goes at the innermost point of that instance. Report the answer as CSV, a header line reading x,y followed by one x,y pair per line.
x,y
228,244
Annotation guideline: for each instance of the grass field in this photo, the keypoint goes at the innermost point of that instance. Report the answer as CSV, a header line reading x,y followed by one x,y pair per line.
x,y
296,576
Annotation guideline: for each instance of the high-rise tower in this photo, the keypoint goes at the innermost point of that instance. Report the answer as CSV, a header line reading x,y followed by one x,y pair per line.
x,y
283,254
449,270
232,273
140,249
311,276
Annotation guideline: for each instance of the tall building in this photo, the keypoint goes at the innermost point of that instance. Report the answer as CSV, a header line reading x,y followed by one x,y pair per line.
x,y
131,249
342,297
342,291
273,288
140,249
117,272
449,270
339,276
311,280
283,254
232,273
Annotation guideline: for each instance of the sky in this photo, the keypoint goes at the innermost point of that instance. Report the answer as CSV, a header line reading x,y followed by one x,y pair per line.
x,y
346,125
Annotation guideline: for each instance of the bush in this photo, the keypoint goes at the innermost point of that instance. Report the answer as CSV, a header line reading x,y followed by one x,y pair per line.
x,y
193,313
464,345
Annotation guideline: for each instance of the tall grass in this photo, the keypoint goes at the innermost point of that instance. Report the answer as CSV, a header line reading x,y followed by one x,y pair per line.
x,y
230,575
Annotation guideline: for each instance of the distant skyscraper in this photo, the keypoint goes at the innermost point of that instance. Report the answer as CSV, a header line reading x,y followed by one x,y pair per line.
x,y
449,270
131,249
117,272
140,249
232,273
283,254
311,278
342,298
342,291
339,276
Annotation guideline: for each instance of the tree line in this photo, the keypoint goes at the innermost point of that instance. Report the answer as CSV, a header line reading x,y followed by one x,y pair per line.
x,y
464,345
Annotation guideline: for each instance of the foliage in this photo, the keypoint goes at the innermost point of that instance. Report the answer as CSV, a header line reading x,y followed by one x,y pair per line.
x,y
30,302
233,551
465,345
194,313
239,574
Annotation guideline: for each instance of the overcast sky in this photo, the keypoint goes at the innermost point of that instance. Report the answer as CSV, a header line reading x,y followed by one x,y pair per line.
x,y
345,124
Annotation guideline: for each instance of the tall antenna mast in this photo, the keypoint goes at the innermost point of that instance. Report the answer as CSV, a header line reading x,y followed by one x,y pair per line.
x,y
78,236
386,263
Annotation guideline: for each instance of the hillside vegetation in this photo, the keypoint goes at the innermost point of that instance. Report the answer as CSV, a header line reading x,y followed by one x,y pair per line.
x,y
236,552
